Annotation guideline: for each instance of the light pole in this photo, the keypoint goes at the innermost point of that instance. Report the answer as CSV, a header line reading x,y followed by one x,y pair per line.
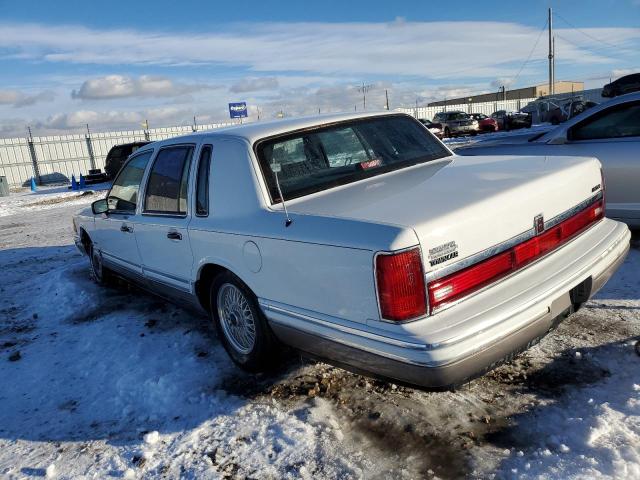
x,y
364,89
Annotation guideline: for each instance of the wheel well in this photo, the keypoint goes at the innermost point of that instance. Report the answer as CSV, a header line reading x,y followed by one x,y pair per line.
x,y
207,274
85,239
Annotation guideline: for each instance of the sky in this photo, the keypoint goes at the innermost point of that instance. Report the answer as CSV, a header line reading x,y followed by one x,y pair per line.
x,y
113,65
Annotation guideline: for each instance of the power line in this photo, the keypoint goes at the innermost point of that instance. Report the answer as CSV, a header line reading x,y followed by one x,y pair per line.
x,y
588,35
596,51
531,52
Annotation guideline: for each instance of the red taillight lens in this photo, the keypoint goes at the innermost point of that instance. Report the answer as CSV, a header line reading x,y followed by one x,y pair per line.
x,y
468,280
400,282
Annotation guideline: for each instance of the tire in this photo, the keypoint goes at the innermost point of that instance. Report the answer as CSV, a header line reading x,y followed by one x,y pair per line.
x,y
99,272
241,325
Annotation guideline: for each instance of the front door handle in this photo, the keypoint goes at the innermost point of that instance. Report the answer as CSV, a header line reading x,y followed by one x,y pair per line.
x,y
174,235
126,229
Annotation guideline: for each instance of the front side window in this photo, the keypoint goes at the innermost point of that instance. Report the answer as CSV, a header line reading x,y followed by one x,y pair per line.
x,y
616,122
322,158
124,192
202,182
166,191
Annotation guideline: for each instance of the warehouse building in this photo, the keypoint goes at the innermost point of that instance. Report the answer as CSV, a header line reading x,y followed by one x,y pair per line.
x,y
527,92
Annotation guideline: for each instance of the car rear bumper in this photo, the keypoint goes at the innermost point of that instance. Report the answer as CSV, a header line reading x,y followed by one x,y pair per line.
x,y
464,129
472,337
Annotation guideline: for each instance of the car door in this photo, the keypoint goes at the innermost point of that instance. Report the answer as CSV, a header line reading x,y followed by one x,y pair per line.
x,y
115,230
162,228
613,136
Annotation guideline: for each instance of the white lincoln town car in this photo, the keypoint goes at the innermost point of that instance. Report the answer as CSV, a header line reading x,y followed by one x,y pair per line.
x,y
360,239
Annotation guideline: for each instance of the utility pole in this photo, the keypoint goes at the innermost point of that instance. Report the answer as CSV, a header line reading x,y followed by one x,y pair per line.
x,y
364,89
552,72
386,96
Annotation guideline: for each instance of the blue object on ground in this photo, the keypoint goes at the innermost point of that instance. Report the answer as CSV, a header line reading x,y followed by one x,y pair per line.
x,y
74,184
34,187
82,185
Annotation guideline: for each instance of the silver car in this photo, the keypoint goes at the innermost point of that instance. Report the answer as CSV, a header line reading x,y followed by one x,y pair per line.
x,y
609,131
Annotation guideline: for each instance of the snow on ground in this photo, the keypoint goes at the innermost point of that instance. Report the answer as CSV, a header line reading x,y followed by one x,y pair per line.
x,y
115,383
49,197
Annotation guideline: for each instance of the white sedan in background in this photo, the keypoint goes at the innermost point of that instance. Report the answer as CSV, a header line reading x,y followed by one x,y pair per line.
x,y
609,132
360,239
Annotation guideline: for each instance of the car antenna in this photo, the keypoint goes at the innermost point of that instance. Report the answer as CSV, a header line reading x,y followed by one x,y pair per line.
x,y
275,168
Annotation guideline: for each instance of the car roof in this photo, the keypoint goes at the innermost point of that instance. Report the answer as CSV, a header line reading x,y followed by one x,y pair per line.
x,y
254,131
626,98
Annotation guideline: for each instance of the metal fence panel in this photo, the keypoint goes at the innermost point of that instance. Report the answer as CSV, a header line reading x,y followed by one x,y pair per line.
x,y
61,156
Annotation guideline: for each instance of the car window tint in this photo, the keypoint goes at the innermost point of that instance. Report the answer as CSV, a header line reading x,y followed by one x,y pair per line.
x,y
343,147
167,186
202,182
124,192
325,157
616,122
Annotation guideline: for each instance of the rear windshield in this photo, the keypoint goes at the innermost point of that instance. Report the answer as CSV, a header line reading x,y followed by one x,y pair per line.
x,y
318,159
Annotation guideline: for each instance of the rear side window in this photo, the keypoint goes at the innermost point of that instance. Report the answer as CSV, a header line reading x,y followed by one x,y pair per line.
x,y
167,186
202,182
616,122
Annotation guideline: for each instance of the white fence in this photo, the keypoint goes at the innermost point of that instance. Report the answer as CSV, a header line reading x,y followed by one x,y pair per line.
x,y
482,107
488,108
56,158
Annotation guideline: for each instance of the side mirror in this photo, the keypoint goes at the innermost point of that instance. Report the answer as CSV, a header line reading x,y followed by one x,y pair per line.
x,y
100,206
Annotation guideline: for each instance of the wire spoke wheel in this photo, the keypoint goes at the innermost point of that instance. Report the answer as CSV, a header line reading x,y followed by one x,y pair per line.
x,y
96,265
236,318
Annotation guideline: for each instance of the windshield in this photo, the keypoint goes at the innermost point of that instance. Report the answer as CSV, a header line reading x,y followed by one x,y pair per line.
x,y
318,159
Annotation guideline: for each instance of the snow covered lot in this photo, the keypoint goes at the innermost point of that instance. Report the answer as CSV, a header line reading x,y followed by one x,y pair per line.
x,y
115,383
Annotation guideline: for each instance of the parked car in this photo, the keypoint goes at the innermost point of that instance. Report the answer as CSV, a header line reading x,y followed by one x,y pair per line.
x,y
117,156
434,128
485,123
508,120
609,131
359,238
456,123
621,86
556,110
556,114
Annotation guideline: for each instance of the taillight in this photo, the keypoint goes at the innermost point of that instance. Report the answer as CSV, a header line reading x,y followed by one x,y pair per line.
x,y
452,287
400,283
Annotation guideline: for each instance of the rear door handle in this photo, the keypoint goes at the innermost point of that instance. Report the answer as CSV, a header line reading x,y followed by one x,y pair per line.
x,y
126,229
174,235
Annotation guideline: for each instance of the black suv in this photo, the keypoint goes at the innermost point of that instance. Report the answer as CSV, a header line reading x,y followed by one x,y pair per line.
x,y
626,84
117,156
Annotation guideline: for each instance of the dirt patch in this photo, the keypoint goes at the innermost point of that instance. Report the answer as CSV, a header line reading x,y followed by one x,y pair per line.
x,y
56,200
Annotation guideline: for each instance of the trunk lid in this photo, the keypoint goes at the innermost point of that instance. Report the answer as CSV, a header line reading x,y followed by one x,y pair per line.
x,y
459,206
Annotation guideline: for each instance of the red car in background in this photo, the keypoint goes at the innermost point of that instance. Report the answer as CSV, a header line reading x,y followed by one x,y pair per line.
x,y
486,124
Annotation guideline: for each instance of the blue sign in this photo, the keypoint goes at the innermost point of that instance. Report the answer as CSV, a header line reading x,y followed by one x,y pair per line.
x,y
238,110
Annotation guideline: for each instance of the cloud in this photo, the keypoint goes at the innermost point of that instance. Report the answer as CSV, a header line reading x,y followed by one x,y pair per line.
x,y
255,84
18,99
121,86
452,50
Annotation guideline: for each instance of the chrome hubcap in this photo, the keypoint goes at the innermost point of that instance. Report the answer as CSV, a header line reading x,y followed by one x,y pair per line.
x,y
236,318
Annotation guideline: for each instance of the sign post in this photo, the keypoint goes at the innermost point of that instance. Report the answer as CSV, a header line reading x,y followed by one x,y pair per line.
x,y
238,110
